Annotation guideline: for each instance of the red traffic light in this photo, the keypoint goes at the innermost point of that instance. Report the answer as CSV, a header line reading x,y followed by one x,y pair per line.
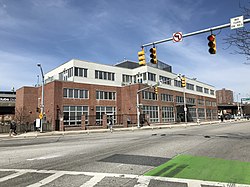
x,y
211,38
212,44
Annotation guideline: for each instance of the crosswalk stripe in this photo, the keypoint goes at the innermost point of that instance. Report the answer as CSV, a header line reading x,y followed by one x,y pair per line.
x,y
142,181
12,176
93,181
48,179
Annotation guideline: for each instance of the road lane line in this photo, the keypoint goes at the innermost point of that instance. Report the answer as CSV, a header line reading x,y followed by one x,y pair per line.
x,y
43,157
93,181
48,179
12,176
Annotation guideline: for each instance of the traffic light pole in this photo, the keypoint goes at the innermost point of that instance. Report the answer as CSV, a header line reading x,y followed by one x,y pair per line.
x,y
195,33
185,104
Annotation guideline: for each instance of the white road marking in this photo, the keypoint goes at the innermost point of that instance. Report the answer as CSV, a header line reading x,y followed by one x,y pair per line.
x,y
48,179
93,181
12,176
143,181
44,157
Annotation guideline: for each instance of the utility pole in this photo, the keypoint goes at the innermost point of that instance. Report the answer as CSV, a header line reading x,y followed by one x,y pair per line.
x,y
41,116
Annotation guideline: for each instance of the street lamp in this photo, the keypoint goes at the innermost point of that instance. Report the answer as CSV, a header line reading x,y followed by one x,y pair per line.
x,y
42,100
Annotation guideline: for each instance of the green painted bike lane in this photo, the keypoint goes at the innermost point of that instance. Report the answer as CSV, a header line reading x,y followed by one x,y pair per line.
x,y
204,168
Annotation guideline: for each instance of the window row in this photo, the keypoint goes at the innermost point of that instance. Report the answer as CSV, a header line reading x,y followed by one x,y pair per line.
x,y
104,75
149,95
81,72
72,114
104,95
75,93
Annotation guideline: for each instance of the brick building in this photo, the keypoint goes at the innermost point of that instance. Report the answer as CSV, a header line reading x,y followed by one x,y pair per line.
x,y
97,91
224,96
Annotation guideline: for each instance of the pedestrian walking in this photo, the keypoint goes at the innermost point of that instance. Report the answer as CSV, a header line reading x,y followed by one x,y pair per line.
x,y
111,124
222,118
12,128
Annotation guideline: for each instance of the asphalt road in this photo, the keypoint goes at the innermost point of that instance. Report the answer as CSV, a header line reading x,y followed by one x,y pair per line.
x,y
115,159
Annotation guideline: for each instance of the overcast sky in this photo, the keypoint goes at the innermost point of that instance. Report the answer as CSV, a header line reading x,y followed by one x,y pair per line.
x,y
52,32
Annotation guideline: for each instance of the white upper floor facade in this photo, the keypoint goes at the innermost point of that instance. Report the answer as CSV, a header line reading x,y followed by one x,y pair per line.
x,y
112,75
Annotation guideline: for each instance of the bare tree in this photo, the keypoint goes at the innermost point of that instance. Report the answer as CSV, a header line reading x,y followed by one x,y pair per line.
x,y
240,38
20,116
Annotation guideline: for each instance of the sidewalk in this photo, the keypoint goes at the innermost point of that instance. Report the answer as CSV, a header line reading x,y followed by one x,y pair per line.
x,y
151,127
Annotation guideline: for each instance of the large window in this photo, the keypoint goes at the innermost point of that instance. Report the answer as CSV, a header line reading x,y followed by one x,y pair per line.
x,y
190,101
208,103
179,99
104,95
81,72
190,86
211,92
201,102
100,110
201,113
75,93
72,114
214,114
65,74
167,114
199,89
192,112
208,113
149,95
104,75
165,80
206,90
152,111
126,78
167,97
177,83
151,76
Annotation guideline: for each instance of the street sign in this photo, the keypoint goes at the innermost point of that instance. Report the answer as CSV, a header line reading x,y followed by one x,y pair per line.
x,y
177,37
236,22
245,99
41,116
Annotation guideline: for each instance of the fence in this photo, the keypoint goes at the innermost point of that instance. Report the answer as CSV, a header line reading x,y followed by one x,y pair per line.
x,y
5,128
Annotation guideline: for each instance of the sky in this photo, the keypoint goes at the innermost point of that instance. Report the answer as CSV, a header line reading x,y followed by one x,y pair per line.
x,y
52,32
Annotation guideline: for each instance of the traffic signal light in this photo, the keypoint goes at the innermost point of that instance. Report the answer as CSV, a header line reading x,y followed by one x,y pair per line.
x,y
38,109
141,57
153,55
212,44
183,82
156,89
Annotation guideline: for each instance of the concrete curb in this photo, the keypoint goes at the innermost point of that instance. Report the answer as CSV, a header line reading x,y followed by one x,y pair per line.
x,y
152,127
